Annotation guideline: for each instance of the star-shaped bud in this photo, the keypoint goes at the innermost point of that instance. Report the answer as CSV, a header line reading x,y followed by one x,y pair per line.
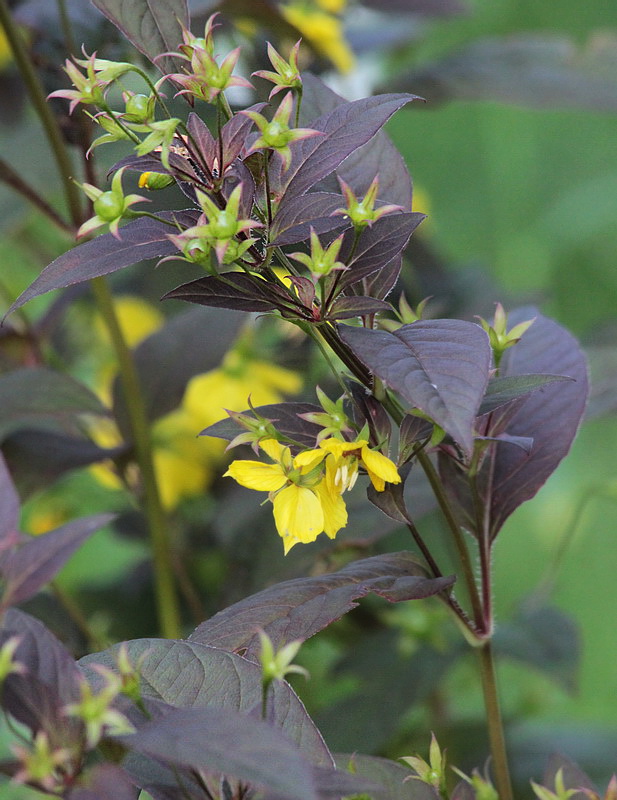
x,y
499,336
40,764
276,133
207,79
333,418
95,710
322,260
256,428
275,665
190,42
90,88
109,207
432,772
363,212
287,74
161,135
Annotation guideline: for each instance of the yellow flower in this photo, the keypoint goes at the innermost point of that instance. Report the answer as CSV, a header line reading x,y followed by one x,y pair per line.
x,y
305,502
347,457
324,33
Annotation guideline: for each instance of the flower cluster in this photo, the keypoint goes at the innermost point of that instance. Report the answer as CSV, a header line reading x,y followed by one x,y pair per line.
x,y
306,489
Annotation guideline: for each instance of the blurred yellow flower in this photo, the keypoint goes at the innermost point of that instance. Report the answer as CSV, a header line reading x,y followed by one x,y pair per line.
x,y
232,384
184,462
323,31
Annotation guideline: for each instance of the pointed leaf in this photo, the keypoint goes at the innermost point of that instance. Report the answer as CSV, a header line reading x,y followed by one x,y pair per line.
x,y
356,306
153,28
392,778
551,415
52,680
9,506
42,399
345,129
286,418
193,675
221,740
381,283
236,290
438,366
37,458
377,156
171,356
505,389
297,609
38,559
378,245
139,240
297,215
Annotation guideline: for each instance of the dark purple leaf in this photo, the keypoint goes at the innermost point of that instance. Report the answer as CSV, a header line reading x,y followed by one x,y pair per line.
x,y
503,390
37,458
190,343
573,777
377,246
546,639
104,782
287,420
52,679
381,283
438,366
141,239
153,28
38,559
356,306
296,216
236,290
551,415
191,675
377,156
367,410
39,398
297,609
391,778
535,70
524,442
9,507
222,740
345,129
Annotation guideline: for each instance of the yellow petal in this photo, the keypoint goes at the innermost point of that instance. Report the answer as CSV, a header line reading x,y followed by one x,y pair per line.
x,y
379,468
256,475
334,509
298,514
276,451
309,459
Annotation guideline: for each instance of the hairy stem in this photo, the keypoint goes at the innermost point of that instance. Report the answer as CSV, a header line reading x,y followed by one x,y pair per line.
x,y
165,591
494,722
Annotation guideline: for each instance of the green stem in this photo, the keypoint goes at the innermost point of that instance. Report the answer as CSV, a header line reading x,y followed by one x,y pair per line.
x,y
494,721
45,114
16,182
165,591
457,536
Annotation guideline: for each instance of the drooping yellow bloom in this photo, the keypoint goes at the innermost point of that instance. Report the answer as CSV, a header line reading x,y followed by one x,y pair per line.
x,y
305,500
323,31
348,456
